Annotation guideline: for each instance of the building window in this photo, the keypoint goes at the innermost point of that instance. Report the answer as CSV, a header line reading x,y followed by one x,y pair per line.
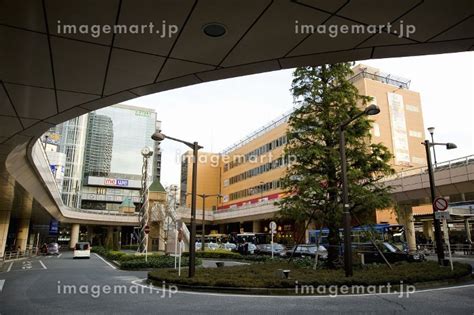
x,y
412,108
376,130
416,134
418,160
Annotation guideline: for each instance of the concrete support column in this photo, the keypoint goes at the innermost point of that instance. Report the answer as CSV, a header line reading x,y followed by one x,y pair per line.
x,y
428,230
116,237
90,233
109,238
408,221
22,233
222,229
4,225
311,226
75,229
7,190
467,227
24,206
257,226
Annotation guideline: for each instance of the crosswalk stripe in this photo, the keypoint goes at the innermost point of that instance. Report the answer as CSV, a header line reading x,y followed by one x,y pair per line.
x,y
2,282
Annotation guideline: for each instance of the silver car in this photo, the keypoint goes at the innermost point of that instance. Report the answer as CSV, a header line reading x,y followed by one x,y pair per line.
x,y
52,249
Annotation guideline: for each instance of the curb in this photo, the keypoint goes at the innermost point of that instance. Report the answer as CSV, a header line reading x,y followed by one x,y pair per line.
x,y
291,291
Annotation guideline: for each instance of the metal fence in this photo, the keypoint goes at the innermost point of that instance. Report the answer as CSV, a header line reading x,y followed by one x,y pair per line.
x,y
17,254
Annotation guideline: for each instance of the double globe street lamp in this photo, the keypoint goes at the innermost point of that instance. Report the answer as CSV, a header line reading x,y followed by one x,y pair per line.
x,y
368,111
158,136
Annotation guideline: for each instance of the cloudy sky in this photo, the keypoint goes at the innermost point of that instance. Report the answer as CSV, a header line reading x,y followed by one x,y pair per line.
x,y
218,114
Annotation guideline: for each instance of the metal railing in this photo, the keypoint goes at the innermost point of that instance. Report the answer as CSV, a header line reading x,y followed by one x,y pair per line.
x,y
458,162
41,161
463,249
17,254
384,78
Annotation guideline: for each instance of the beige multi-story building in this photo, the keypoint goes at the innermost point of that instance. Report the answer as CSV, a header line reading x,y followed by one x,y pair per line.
x,y
249,172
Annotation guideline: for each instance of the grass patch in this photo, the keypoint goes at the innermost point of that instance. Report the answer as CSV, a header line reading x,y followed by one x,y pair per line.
x,y
261,275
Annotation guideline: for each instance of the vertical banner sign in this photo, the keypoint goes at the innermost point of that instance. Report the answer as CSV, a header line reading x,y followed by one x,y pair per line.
x,y
399,129
53,227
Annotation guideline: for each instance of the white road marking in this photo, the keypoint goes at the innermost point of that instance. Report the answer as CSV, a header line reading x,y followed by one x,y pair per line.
x,y
59,255
44,267
10,267
2,282
297,296
110,265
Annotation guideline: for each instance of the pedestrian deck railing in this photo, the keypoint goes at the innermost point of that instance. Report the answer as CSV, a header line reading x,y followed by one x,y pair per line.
x,y
459,162
40,161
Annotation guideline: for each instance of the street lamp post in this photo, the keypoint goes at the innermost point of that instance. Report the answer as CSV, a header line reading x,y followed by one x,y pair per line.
x,y
431,131
437,226
370,110
203,236
158,136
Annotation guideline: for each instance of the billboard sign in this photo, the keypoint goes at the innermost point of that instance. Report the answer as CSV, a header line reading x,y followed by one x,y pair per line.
x,y
53,227
399,129
113,182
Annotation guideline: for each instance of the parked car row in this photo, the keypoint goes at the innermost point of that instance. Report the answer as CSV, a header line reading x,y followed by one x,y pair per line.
x,y
370,253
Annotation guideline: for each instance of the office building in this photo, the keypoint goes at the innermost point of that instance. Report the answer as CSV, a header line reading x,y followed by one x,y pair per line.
x,y
113,169
99,143
249,172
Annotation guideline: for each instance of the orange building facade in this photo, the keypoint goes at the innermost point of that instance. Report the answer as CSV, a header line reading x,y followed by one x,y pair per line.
x,y
249,172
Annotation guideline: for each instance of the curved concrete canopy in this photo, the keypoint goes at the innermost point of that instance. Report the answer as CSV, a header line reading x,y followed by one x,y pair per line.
x,y
47,78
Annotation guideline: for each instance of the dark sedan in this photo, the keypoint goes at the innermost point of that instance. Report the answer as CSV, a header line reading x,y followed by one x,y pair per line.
x,y
304,250
266,249
390,251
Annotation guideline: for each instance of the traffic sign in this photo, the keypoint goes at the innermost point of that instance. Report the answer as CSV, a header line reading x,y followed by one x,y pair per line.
x,y
442,215
273,226
146,229
440,204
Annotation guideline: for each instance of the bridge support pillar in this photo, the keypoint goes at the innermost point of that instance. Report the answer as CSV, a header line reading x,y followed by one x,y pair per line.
x,y
4,225
311,226
75,227
6,205
117,231
428,230
222,229
256,226
406,218
25,206
467,227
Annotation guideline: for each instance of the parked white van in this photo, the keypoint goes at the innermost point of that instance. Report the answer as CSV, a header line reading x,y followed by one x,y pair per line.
x,y
82,250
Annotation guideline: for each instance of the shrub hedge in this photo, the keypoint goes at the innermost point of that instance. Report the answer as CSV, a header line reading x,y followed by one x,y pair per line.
x,y
266,276
225,254
132,261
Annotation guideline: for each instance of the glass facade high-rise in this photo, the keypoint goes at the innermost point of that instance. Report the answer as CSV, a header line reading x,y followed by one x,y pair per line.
x,y
71,142
132,130
99,143
113,160
103,156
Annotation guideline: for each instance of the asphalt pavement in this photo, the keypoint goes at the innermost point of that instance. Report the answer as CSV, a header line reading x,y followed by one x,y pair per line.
x,y
62,285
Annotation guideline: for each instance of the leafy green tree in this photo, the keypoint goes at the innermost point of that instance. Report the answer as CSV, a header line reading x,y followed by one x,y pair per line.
x,y
325,98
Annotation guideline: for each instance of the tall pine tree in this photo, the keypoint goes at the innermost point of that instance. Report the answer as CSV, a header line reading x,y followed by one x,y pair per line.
x,y
325,99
